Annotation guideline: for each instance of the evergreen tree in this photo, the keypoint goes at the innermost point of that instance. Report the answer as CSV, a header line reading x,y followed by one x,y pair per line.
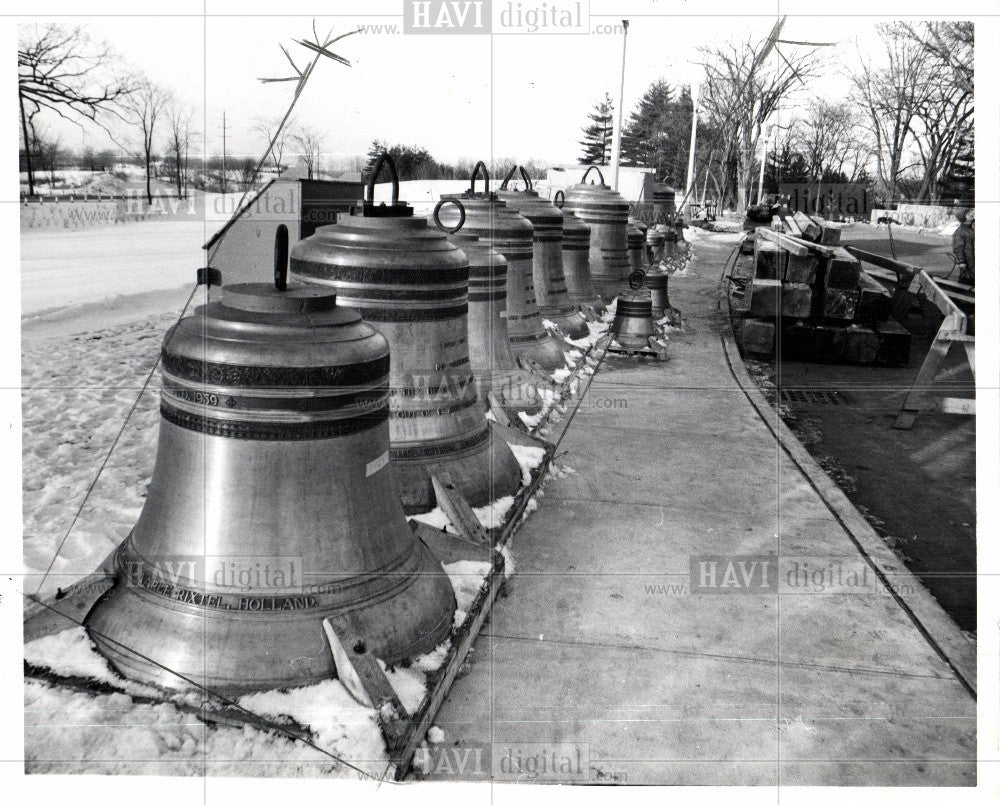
x,y
657,134
597,134
411,162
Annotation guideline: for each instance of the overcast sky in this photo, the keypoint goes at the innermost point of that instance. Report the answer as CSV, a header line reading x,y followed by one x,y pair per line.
x,y
521,96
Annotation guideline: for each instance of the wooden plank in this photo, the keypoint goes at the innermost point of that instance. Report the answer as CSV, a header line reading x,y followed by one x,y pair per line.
x,y
918,397
795,246
883,262
792,227
943,302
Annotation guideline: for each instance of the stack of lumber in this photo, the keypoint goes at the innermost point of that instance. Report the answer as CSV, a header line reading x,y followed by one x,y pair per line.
x,y
802,292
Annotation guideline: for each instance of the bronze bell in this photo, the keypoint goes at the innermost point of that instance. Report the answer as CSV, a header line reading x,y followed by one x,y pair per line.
x,y
636,240
412,283
271,505
490,353
550,281
511,234
606,213
657,281
633,323
664,203
655,241
576,259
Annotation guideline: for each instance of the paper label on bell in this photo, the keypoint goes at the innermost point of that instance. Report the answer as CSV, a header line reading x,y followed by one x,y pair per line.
x,y
376,464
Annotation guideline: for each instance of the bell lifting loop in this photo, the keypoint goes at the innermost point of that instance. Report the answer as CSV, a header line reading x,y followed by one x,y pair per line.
x,y
587,173
486,178
528,184
281,257
383,160
636,279
559,199
461,215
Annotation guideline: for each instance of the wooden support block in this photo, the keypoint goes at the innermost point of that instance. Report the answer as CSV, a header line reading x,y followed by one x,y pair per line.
x,y
796,300
830,236
858,344
361,675
809,228
765,298
894,343
839,303
797,341
826,342
457,509
801,269
758,336
776,223
843,271
874,302
769,260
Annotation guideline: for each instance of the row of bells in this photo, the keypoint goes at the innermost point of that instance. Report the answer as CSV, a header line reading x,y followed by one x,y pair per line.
x,y
301,423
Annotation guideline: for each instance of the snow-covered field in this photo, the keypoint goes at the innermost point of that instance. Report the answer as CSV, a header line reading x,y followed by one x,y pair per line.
x,y
71,267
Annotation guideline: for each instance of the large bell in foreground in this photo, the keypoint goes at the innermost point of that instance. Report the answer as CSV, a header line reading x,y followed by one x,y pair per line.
x,y
412,283
576,262
550,281
511,234
490,353
271,505
606,213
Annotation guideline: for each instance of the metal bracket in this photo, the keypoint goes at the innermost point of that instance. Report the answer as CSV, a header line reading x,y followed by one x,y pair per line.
x,y
458,510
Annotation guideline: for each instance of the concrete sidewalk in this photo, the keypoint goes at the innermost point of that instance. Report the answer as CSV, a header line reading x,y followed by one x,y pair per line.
x,y
610,660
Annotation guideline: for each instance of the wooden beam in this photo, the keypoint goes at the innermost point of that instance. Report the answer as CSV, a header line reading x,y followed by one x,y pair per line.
x,y
882,261
791,245
792,227
943,302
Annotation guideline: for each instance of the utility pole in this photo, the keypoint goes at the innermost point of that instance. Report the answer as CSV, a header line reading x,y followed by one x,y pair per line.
x,y
763,162
616,142
691,151
223,151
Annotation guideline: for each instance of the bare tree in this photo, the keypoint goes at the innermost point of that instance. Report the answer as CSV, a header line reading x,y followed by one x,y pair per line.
x,y
891,95
271,129
309,144
742,89
828,138
944,112
179,118
246,167
143,108
61,70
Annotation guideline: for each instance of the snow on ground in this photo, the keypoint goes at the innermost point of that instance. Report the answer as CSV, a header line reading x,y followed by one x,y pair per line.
x,y
69,732
71,267
76,394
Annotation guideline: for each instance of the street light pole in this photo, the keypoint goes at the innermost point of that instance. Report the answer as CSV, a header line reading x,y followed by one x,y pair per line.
x,y
616,142
763,162
694,136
